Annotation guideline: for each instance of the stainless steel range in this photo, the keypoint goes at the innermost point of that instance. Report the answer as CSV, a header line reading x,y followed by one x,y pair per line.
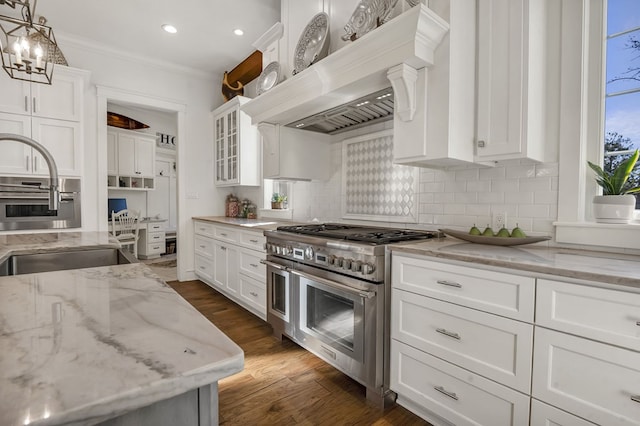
x,y
328,290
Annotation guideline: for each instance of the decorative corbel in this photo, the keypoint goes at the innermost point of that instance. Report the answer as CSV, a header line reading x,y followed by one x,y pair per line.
x,y
403,80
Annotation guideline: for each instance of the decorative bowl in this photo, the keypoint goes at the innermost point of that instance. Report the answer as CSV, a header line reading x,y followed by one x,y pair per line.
x,y
494,241
368,15
269,77
313,44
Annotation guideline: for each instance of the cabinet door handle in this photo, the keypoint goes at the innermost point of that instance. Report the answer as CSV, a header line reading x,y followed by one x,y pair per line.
x,y
223,248
635,398
224,235
254,241
35,108
202,246
28,161
254,294
448,333
638,323
26,104
253,264
35,163
481,144
449,283
443,391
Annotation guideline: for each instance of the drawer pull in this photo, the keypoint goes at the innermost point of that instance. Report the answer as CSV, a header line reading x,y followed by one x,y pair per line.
x,y
202,246
443,391
202,267
223,234
253,264
253,293
254,241
449,283
638,323
223,248
448,333
635,398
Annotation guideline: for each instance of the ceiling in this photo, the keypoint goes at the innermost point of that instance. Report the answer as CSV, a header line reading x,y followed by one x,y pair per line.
x,y
205,40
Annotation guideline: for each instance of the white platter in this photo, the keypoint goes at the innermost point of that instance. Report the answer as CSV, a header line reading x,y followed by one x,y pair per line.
x,y
494,241
269,77
313,44
366,17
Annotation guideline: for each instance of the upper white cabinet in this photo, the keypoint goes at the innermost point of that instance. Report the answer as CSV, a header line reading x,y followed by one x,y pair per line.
x,y
131,158
294,154
50,114
511,80
236,149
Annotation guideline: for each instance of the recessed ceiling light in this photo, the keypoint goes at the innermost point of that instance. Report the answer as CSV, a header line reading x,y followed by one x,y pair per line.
x,y
169,28
238,32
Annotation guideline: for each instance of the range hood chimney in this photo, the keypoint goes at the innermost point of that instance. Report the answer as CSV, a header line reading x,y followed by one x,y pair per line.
x,y
325,97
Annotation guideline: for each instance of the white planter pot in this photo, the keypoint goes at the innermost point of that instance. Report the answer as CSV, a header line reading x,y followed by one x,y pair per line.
x,y
613,208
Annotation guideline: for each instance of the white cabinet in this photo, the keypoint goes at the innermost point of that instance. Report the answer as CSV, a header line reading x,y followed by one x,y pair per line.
x,y
545,415
236,149
131,158
442,317
587,351
152,242
294,154
511,80
50,115
228,259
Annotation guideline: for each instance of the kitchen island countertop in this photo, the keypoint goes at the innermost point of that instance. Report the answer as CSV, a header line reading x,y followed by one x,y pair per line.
x,y
259,224
85,345
605,267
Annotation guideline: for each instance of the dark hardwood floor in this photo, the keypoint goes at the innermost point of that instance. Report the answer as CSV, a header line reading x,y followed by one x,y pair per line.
x,y
283,384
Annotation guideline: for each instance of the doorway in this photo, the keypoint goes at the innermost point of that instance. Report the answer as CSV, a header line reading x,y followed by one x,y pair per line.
x,y
157,110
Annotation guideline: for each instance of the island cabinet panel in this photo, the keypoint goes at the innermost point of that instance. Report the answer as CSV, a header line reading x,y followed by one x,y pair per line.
x,y
593,380
496,292
228,259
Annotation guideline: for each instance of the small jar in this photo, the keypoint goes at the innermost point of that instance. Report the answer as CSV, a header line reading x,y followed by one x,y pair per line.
x,y
252,211
233,208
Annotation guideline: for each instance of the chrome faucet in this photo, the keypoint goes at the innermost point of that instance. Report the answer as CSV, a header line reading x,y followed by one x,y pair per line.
x,y
53,188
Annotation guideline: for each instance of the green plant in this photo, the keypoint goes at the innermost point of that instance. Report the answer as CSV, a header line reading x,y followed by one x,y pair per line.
x,y
615,182
278,198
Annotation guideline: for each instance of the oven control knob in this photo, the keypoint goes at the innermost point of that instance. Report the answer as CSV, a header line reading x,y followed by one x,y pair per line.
x,y
287,250
368,268
346,265
356,266
278,250
339,261
332,260
308,252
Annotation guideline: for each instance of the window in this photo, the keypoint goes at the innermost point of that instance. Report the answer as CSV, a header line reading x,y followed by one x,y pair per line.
x,y
622,88
282,188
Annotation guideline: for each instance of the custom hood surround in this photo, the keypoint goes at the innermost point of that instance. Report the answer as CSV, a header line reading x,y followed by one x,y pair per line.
x,y
392,53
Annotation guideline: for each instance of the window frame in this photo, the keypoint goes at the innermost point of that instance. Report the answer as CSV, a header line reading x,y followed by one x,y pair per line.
x,y
582,82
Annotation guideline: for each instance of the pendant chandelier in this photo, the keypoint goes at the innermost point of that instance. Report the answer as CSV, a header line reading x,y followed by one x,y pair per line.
x,y
29,49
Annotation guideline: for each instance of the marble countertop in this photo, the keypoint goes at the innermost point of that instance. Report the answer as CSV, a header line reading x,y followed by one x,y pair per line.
x,y
84,345
612,268
261,224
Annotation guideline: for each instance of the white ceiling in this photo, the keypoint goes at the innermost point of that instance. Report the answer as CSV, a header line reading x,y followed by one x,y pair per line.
x,y
204,42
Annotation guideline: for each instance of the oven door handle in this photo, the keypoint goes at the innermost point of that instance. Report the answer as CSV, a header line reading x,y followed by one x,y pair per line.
x,y
362,293
274,265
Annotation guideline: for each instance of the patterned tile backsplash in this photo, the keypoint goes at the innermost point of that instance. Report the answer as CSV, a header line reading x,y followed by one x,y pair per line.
x,y
527,192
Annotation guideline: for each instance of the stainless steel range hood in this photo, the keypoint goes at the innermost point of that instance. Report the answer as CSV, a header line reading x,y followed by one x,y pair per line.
x,y
324,97
364,111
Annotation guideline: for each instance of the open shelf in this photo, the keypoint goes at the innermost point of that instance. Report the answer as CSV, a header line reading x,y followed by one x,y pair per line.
x,y
133,183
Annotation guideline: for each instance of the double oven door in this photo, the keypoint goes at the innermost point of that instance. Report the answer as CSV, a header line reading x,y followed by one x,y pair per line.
x,y
335,317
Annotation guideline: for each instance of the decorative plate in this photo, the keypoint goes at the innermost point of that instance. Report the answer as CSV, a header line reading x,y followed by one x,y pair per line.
x,y
369,14
313,44
269,77
494,241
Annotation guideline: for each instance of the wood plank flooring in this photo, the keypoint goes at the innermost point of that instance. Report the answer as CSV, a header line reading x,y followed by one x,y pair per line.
x,y
283,384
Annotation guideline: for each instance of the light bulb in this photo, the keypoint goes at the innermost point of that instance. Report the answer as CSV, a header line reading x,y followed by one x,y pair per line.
x,y
24,43
18,51
169,28
38,52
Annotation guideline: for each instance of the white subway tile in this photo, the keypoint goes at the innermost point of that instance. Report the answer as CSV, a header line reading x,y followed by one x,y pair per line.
x,y
478,186
543,226
478,209
492,173
431,209
547,169
508,185
425,218
426,197
518,197
427,176
465,175
521,171
434,187
535,184
443,197
454,209
455,186
545,197
491,198
534,210
466,197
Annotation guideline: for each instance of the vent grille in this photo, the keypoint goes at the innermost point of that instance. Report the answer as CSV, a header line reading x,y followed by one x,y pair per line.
x,y
367,110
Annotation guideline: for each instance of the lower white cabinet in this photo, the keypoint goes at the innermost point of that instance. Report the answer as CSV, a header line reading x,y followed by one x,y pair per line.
x,y
429,385
546,415
228,259
152,242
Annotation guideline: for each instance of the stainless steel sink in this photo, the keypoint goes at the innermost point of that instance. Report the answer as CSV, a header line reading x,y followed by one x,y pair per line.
x,y
59,261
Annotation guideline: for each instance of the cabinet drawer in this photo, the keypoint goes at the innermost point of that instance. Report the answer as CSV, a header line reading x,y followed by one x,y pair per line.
x,y
496,292
155,226
457,395
607,315
224,233
546,415
205,228
594,380
253,240
254,294
204,269
155,238
204,246
460,336
250,264
156,248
